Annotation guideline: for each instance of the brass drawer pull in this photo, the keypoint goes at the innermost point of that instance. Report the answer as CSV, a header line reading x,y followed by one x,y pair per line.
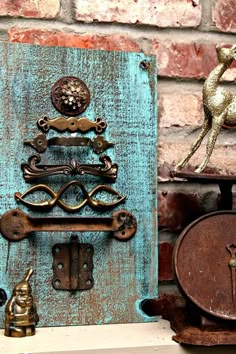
x,y
56,197
15,225
40,143
32,170
72,124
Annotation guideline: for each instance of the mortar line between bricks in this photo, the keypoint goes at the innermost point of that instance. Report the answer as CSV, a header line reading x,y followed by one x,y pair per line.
x,y
183,86
165,235
189,80
206,8
186,187
67,11
173,33
189,187
168,288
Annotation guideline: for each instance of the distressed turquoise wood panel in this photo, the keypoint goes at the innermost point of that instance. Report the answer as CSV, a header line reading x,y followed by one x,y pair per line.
x,y
125,94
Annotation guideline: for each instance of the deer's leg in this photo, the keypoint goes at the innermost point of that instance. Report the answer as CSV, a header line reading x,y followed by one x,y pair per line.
x,y
204,130
217,123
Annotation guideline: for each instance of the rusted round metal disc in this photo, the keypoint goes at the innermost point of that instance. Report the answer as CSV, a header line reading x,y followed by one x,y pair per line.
x,y
204,262
14,225
70,95
124,225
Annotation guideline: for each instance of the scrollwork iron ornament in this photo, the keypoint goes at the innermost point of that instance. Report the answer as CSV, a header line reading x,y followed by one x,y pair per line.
x,y
32,170
56,197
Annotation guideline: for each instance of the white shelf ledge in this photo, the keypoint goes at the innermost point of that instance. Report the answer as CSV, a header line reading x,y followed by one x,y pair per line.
x,y
145,338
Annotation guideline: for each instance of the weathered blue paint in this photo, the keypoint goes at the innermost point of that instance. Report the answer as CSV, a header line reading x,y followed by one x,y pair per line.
x,y
124,94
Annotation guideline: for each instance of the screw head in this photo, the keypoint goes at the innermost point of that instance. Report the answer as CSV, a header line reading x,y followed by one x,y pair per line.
x,y
144,65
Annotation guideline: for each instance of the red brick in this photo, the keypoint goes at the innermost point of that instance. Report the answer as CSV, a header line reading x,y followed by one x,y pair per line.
x,y
180,109
224,15
161,13
177,209
223,158
187,59
165,261
30,8
57,38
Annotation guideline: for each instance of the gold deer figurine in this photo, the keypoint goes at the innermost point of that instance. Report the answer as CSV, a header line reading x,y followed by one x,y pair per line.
x,y
20,313
219,108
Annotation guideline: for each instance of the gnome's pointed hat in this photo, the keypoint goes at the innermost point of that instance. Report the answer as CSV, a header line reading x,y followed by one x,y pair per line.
x,y
24,284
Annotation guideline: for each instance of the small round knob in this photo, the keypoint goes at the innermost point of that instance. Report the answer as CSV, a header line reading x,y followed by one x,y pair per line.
x,y
3,297
70,95
232,263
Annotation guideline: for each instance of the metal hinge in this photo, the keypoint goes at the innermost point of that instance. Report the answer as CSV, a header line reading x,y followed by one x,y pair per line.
x,y
73,265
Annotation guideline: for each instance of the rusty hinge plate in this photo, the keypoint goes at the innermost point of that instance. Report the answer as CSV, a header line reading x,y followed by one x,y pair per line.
x,y
72,265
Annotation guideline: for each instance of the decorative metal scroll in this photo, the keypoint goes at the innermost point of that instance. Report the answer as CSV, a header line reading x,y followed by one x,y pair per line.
x,y
32,170
56,197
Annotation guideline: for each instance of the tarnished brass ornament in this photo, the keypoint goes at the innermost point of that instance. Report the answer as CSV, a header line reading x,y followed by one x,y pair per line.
x,y
219,107
21,314
72,124
32,170
87,197
40,143
70,95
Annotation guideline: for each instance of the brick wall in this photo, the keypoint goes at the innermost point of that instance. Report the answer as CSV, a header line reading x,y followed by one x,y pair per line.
x,y
182,34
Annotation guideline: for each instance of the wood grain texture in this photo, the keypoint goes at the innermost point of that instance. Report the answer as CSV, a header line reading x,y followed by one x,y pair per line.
x,y
122,92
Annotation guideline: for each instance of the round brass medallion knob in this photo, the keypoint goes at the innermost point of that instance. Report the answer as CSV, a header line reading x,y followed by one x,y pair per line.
x,y
70,95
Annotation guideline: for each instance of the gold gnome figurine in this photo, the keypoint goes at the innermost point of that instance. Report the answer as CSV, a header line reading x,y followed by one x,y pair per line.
x,y
21,314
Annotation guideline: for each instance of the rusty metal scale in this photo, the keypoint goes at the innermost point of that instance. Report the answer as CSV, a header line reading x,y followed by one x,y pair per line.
x,y
205,264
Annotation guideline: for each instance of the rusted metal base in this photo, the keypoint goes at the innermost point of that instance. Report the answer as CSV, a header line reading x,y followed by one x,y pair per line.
x,y
196,336
198,328
191,326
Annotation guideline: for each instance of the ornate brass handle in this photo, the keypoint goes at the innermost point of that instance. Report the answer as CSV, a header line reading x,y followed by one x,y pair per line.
x,y
56,197
72,124
32,170
40,143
